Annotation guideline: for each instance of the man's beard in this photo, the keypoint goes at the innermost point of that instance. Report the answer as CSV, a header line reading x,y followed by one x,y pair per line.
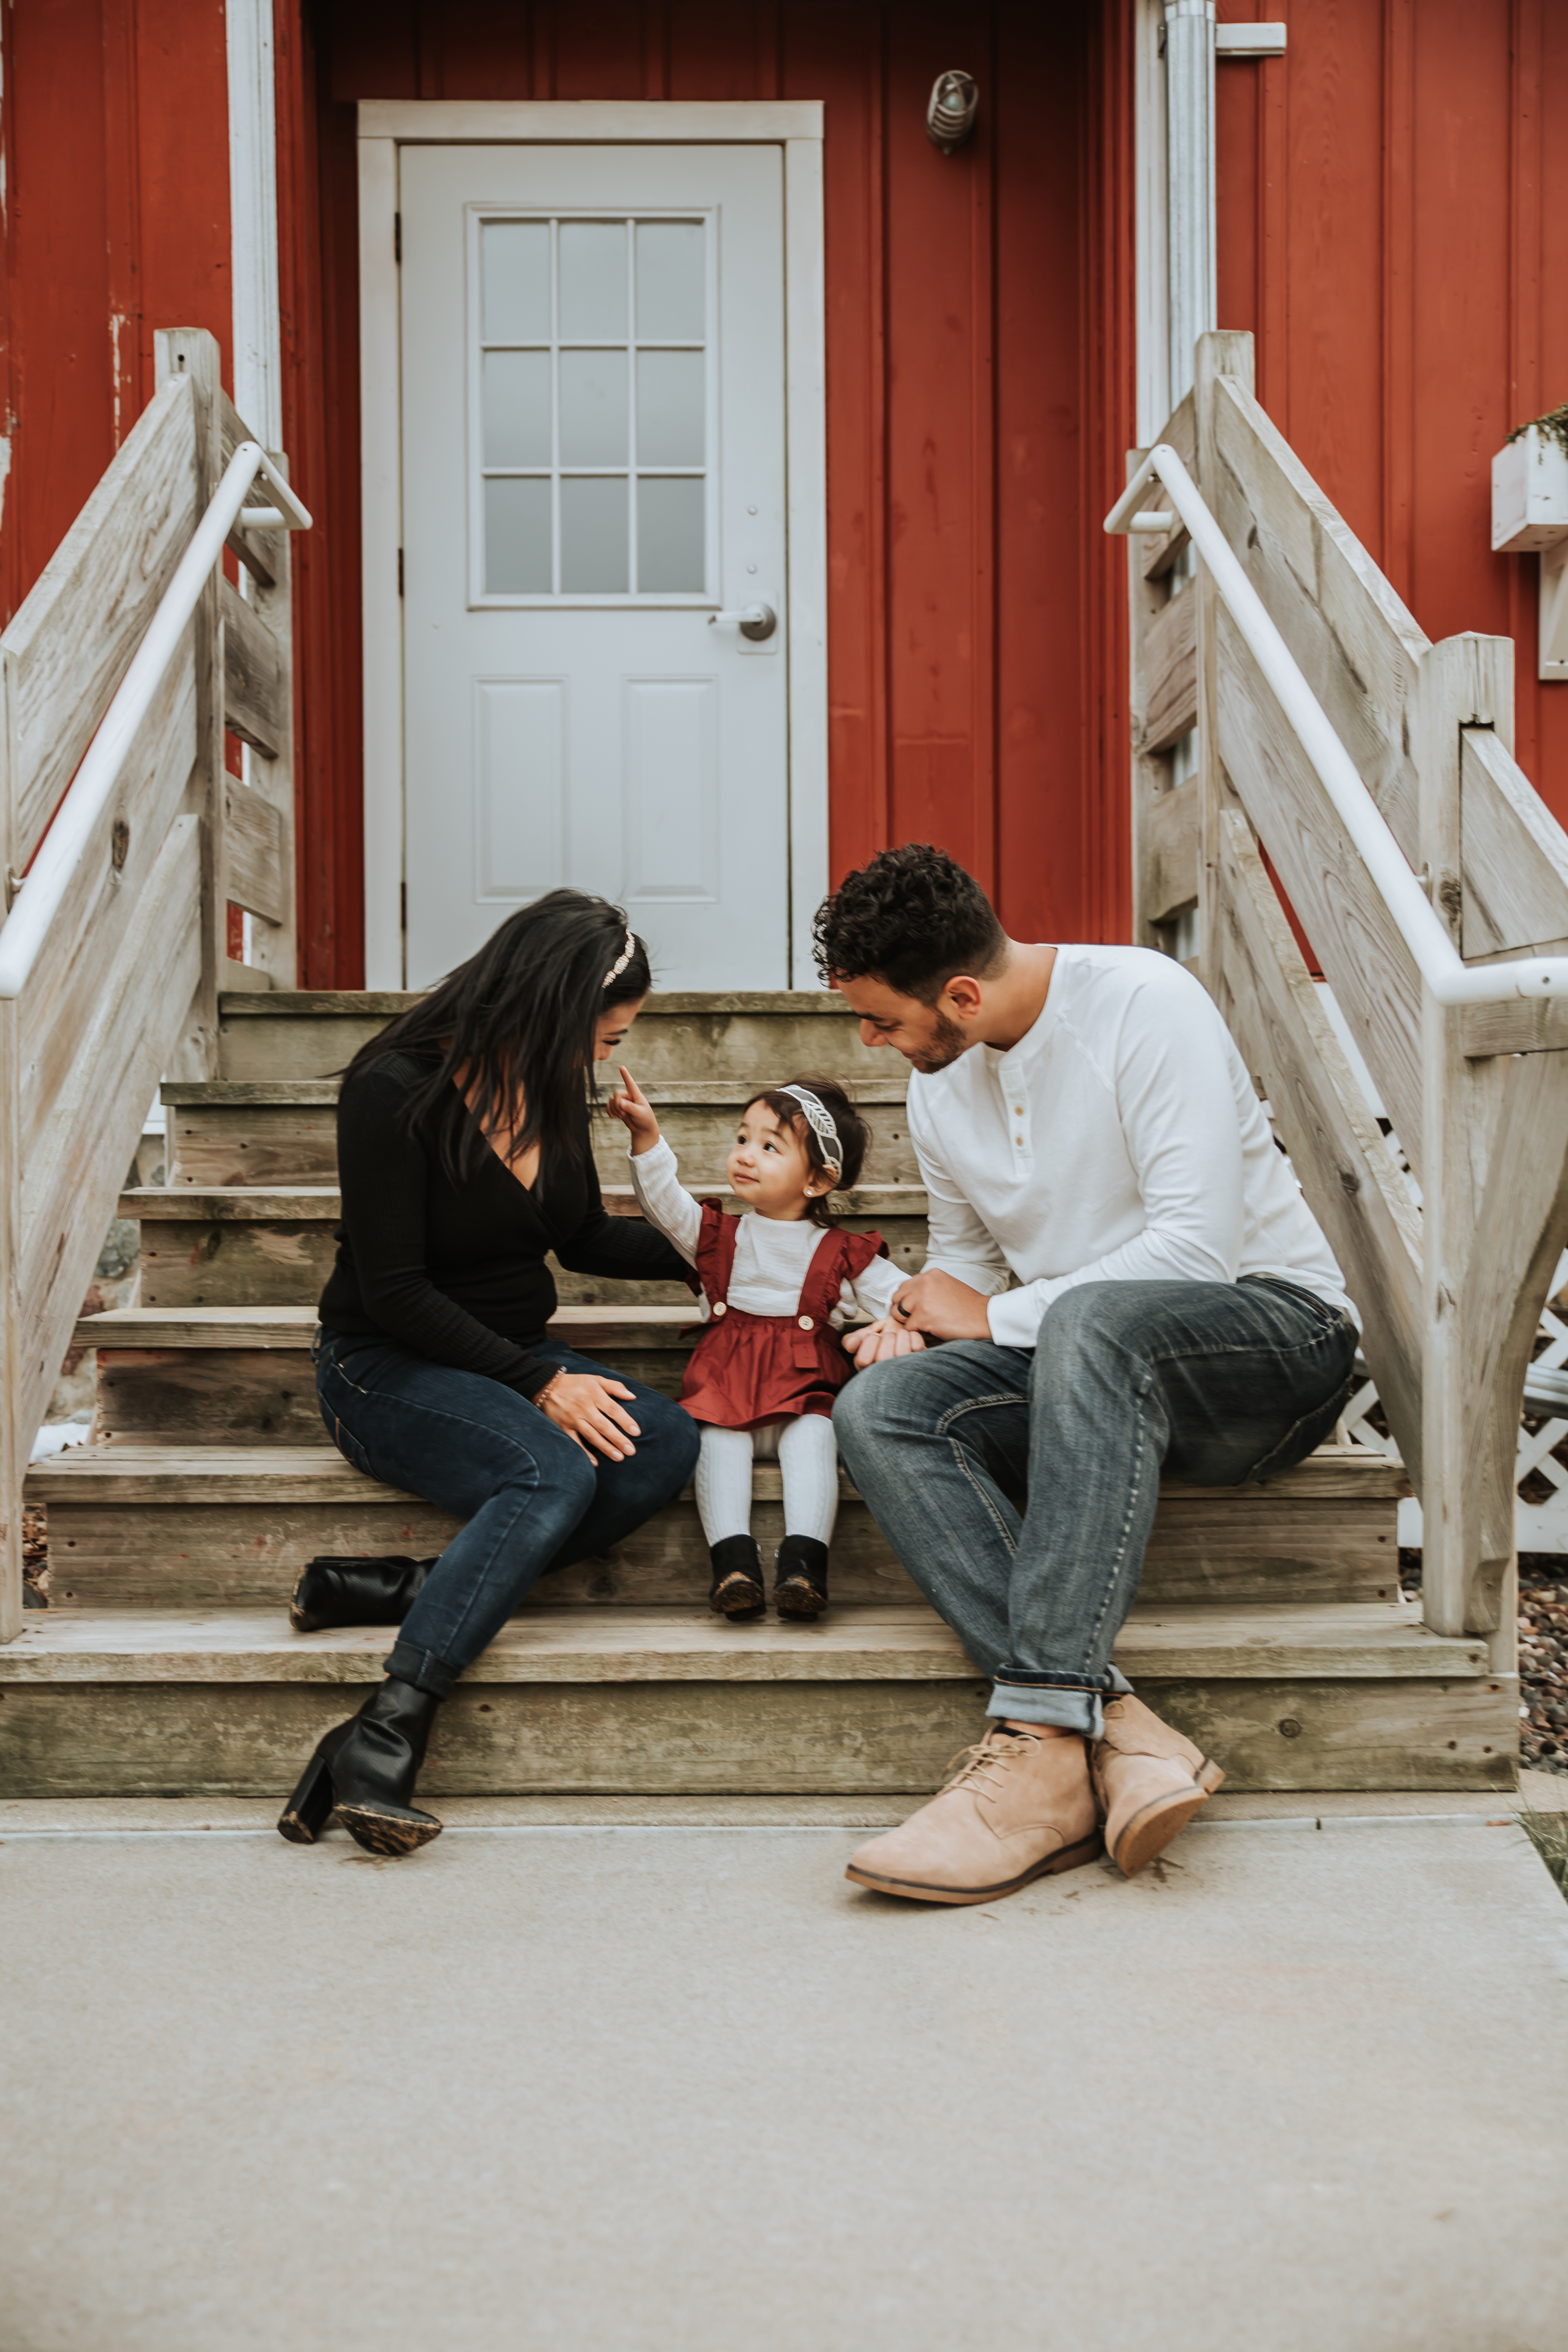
x,y
944,1048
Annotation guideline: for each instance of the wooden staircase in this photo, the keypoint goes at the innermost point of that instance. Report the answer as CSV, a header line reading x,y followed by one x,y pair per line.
x,y
1270,1624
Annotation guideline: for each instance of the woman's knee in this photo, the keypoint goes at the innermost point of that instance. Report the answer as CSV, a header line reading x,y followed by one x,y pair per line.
x,y
668,1433
545,1461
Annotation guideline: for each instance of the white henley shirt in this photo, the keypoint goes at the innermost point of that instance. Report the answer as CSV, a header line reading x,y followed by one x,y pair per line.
x,y
1120,1141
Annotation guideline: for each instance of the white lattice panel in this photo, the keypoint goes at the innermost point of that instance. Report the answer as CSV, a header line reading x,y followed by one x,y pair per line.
x,y
1541,1521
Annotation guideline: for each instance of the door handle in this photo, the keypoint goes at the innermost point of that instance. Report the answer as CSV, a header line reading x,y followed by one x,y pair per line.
x,y
756,622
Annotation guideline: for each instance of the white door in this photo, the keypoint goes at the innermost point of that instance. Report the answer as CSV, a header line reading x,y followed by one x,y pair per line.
x,y
592,468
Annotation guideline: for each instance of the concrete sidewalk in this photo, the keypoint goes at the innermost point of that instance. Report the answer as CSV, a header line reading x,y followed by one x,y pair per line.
x,y
675,2087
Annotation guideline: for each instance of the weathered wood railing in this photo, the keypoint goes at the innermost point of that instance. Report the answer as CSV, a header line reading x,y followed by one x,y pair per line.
x,y
110,978
1477,1095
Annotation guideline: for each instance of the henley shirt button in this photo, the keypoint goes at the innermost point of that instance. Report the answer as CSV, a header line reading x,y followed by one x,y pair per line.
x,y
806,1324
719,1307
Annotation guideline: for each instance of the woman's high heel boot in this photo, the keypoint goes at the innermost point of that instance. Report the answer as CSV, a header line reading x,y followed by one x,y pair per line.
x,y
365,1771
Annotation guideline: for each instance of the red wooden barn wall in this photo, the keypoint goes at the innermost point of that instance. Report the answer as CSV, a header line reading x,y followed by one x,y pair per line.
x,y
1393,214
1393,229
972,614
115,127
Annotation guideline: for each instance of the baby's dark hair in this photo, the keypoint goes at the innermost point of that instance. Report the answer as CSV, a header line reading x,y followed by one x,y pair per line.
x,y
854,1135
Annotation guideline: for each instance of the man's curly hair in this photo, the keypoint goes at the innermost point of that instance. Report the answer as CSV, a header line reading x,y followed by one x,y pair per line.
x,y
912,917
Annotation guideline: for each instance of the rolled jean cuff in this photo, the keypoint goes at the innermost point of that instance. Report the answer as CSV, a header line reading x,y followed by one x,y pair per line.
x,y
423,1668
1070,1702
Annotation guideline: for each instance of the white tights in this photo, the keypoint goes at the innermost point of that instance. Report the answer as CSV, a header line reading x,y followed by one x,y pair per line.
x,y
804,1451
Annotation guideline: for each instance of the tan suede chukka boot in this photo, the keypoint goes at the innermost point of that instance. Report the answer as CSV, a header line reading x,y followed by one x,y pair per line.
x,y
1015,1808
1150,1782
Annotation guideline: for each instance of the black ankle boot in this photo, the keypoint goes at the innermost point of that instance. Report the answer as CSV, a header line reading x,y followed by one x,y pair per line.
x,y
355,1591
737,1589
800,1577
365,1771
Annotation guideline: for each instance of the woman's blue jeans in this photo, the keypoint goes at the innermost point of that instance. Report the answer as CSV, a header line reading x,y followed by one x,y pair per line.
x,y
1017,1485
533,1500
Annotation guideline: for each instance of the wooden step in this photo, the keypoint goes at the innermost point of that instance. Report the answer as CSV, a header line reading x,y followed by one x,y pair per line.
x,y
877,1697
678,1036
239,1245
132,1524
234,1246
227,1132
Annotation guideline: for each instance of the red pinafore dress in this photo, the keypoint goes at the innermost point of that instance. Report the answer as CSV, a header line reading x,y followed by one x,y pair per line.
x,y
746,1369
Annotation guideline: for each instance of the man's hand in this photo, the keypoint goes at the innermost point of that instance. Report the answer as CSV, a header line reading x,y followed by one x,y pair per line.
x,y
876,1343
941,1306
635,1113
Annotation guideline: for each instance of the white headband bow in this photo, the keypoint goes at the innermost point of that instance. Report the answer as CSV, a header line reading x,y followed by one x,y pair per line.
x,y
621,960
822,1125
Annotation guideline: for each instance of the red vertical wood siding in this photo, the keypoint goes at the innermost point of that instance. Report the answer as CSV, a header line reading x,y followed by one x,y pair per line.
x,y
1393,219
965,626
117,222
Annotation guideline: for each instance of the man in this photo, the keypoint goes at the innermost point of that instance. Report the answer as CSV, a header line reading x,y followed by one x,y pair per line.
x,y
1083,1123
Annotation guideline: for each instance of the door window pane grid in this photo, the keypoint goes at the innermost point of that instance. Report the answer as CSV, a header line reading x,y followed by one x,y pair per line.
x,y
591,412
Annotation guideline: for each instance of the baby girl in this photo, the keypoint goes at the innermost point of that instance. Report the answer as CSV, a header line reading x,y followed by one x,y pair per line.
x,y
777,1287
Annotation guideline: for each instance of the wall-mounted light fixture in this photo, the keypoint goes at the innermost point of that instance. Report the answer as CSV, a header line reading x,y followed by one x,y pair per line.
x,y
950,117
1530,517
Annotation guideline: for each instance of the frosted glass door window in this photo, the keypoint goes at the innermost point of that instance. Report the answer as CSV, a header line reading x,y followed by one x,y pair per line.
x,y
591,409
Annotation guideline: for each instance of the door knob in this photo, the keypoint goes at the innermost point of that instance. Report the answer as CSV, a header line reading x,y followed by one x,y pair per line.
x,y
756,622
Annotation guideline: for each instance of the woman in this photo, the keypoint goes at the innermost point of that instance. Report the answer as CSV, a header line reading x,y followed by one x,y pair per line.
x,y
463,1155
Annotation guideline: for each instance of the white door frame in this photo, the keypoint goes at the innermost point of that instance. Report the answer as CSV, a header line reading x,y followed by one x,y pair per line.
x,y
385,126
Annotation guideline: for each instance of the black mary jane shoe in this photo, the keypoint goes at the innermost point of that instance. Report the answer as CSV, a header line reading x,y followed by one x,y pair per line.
x,y
355,1591
800,1577
737,1589
365,1771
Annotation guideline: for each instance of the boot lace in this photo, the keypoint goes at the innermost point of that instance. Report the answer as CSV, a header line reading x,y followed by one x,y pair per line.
x,y
988,1757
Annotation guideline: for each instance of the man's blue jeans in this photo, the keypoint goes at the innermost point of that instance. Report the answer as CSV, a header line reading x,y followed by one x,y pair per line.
x,y
533,1500
1017,1485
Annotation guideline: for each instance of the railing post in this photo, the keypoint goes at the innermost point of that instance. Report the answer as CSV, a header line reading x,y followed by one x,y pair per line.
x,y
190,351
1145,599
1494,1146
1463,1568
15,1442
274,948
1221,353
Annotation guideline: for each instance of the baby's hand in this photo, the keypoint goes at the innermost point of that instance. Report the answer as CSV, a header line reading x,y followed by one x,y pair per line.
x,y
878,1343
635,1113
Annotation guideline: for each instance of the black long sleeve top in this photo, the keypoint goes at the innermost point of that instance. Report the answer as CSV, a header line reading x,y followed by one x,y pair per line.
x,y
456,1272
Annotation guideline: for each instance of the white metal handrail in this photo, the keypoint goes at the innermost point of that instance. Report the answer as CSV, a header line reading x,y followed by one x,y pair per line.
x,y
71,836
1451,981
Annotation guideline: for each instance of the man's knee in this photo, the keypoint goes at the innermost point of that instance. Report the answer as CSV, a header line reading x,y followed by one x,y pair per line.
x,y
859,1411
1093,1320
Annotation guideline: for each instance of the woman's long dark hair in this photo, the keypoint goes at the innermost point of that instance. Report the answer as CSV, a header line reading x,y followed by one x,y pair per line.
x,y
515,1025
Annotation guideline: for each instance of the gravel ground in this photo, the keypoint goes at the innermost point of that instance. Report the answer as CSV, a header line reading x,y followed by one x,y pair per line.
x,y
1543,1661
35,1561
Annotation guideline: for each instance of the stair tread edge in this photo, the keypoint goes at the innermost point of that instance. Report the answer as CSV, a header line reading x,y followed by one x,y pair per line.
x,y
899,1640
